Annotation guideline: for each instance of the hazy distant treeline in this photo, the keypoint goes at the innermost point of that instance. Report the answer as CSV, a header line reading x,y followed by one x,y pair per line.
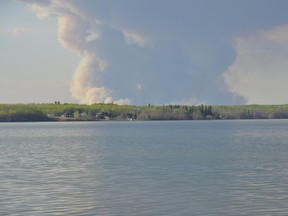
x,y
77,112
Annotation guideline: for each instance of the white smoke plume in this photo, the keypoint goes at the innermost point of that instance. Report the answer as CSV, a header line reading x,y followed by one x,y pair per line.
x,y
76,32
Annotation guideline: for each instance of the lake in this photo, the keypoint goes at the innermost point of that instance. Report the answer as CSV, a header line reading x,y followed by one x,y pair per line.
x,y
144,168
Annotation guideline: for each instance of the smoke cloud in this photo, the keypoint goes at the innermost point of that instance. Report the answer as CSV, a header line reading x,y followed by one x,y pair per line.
x,y
77,32
259,72
137,50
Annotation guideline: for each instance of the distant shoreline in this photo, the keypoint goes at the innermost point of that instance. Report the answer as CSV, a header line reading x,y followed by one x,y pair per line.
x,y
112,112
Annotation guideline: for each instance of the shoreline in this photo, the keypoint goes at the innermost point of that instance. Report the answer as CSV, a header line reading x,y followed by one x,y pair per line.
x,y
113,112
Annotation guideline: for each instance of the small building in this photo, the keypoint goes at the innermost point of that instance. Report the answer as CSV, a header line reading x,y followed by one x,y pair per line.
x,y
69,115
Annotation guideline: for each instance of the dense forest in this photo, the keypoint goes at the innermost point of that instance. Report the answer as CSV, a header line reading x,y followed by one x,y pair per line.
x,y
78,112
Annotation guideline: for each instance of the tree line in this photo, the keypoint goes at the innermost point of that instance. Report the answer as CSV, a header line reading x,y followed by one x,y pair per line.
x,y
96,112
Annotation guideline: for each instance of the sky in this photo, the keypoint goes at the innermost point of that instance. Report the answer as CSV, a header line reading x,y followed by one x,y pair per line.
x,y
144,51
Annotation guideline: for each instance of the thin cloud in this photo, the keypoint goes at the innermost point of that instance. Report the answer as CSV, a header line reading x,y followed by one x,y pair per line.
x,y
20,31
277,35
135,38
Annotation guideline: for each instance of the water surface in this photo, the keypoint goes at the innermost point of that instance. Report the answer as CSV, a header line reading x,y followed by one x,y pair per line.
x,y
144,168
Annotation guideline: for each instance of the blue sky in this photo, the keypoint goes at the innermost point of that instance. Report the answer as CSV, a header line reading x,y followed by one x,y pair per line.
x,y
144,51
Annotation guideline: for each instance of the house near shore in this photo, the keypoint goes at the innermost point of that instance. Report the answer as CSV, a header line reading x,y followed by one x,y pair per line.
x,y
103,115
68,115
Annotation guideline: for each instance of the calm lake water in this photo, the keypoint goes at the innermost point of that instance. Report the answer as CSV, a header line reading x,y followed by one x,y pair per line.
x,y
144,168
